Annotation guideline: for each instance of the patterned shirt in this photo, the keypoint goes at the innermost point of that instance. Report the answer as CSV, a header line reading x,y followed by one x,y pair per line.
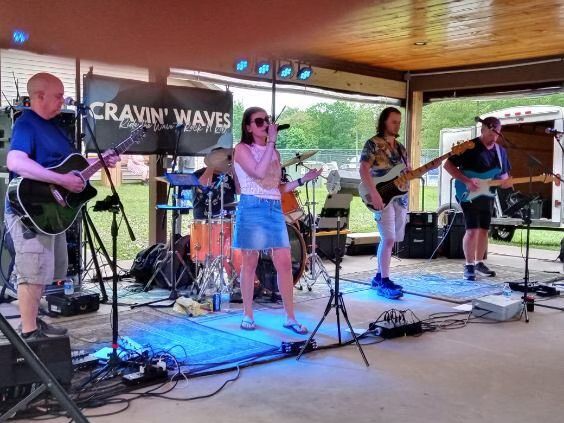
x,y
382,157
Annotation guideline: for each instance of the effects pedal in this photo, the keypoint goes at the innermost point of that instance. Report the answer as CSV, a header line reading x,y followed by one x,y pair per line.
x,y
294,348
150,373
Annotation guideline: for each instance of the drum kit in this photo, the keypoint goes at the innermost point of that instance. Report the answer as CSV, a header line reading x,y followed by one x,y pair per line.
x,y
218,265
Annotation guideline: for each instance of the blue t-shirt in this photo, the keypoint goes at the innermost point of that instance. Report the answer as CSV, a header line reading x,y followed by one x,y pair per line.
x,y
44,141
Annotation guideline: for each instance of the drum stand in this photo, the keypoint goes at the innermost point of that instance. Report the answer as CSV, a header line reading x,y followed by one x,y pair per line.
x,y
316,266
212,273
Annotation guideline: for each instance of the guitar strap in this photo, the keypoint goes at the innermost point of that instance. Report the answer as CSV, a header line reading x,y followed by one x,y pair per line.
x,y
498,151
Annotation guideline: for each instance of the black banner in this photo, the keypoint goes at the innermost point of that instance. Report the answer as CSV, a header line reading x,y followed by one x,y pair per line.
x,y
202,118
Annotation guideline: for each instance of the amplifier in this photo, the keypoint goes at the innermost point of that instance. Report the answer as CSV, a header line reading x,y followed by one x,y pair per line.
x,y
70,305
54,352
458,218
422,219
419,242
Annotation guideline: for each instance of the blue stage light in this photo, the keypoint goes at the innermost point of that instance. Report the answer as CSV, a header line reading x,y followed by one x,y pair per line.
x,y
304,73
19,36
242,65
263,68
286,71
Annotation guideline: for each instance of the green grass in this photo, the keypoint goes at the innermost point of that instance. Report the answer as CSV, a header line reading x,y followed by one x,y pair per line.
x,y
135,198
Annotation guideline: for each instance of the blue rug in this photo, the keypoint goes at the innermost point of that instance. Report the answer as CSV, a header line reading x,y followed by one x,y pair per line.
x,y
443,280
189,341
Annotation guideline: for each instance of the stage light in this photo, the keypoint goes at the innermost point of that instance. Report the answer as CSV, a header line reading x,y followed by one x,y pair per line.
x,y
19,36
286,71
263,68
304,73
242,65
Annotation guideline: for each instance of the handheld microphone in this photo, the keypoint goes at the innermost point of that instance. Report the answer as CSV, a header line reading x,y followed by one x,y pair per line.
x,y
552,131
69,101
283,127
477,119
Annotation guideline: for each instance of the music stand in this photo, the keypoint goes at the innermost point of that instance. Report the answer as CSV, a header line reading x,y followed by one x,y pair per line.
x,y
175,180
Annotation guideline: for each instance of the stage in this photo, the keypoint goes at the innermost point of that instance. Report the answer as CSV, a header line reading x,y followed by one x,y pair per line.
x,y
483,371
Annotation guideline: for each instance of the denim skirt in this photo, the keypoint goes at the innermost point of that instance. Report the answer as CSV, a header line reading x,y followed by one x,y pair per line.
x,y
259,224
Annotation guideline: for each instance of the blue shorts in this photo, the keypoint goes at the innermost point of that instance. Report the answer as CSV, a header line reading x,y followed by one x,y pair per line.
x,y
259,224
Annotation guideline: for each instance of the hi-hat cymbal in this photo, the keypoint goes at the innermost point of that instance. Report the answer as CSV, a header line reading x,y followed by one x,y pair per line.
x,y
220,159
299,158
231,206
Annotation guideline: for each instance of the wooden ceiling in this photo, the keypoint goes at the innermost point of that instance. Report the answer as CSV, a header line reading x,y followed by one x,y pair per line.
x,y
367,37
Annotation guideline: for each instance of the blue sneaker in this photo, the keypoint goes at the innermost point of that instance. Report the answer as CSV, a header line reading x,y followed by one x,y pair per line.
x,y
389,290
376,281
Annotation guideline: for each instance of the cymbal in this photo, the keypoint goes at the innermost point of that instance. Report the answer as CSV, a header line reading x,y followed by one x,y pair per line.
x,y
230,206
299,158
220,159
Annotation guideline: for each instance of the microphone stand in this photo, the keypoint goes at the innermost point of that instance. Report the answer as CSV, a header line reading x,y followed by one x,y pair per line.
x,y
526,216
116,206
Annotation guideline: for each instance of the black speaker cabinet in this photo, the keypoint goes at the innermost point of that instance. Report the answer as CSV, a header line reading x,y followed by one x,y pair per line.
x,y
452,244
420,238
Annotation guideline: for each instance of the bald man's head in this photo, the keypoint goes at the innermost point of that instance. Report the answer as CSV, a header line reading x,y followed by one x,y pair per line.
x,y
46,92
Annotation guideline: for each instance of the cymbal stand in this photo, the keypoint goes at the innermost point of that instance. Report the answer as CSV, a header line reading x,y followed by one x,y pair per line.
x,y
212,273
316,266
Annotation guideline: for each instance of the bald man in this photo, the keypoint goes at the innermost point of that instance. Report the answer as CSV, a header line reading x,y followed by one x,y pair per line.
x,y
38,143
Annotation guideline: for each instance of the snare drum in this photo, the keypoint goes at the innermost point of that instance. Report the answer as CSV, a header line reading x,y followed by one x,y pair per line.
x,y
291,207
201,243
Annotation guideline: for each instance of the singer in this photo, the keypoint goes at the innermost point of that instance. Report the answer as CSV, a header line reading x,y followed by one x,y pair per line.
x,y
487,155
259,223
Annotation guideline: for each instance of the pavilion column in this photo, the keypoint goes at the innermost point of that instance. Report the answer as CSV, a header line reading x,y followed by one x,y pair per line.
x,y
157,190
413,129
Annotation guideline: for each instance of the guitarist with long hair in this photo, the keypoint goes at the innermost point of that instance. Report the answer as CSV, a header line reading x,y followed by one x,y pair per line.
x,y
38,143
380,154
490,158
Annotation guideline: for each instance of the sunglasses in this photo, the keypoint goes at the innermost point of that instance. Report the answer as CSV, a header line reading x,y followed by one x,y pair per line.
x,y
259,122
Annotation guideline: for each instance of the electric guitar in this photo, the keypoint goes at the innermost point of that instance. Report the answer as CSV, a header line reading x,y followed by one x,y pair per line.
x,y
486,181
51,209
395,183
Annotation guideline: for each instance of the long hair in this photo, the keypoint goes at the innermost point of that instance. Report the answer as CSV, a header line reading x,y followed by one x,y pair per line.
x,y
246,136
381,128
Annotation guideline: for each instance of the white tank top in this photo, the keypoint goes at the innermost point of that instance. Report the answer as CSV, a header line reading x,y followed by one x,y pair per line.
x,y
266,187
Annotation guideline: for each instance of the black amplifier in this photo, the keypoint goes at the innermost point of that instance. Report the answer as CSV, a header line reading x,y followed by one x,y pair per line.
x,y
70,305
54,352
422,219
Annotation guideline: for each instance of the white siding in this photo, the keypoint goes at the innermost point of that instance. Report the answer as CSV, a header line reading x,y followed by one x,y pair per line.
x,y
24,64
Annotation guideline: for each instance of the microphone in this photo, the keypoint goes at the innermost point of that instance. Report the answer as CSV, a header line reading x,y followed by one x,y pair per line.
x,y
283,127
69,101
552,131
477,119
179,126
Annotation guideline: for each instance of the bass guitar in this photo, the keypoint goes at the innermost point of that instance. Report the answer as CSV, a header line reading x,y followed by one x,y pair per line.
x,y
395,183
51,209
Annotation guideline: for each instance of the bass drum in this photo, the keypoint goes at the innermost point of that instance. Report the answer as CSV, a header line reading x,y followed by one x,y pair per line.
x,y
266,273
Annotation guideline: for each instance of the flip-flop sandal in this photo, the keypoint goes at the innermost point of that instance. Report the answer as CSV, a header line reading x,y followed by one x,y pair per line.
x,y
296,327
248,324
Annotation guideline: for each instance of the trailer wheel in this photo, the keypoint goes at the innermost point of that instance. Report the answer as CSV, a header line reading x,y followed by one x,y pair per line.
x,y
502,233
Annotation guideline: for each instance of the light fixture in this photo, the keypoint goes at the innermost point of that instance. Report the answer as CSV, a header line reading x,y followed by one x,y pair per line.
x,y
262,68
19,37
420,43
286,71
304,73
242,65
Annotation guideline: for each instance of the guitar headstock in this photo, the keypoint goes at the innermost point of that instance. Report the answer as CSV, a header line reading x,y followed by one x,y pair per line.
x,y
461,147
138,133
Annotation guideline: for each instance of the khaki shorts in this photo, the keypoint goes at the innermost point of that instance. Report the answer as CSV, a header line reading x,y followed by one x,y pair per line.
x,y
391,221
40,259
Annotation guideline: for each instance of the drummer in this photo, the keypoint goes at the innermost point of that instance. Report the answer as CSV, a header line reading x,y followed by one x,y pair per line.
x,y
209,177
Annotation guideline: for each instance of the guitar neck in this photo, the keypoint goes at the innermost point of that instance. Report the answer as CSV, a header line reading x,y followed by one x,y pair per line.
x,y
523,180
420,171
97,165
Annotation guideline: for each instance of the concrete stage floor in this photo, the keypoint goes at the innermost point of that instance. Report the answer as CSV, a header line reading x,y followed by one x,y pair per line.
x,y
507,372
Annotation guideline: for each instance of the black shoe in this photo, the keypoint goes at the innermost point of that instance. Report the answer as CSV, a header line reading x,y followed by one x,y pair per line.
x,y
484,270
49,329
469,272
36,334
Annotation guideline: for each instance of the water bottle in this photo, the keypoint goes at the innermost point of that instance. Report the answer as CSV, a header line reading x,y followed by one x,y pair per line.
x,y
225,298
69,287
506,290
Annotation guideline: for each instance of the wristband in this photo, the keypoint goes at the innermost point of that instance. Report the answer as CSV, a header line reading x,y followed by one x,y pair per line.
x,y
300,182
